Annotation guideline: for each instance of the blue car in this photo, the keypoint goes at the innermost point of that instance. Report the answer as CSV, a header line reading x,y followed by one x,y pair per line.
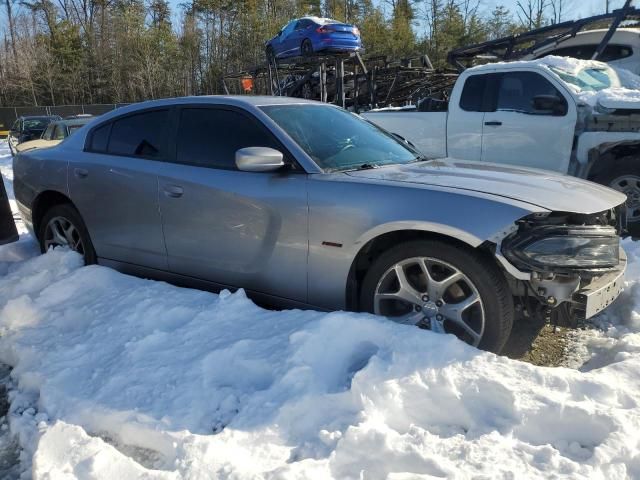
x,y
308,35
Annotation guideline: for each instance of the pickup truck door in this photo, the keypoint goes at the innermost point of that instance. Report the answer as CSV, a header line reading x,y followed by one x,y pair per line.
x,y
466,114
516,133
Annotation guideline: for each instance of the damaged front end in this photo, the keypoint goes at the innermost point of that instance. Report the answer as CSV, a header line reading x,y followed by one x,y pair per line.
x,y
574,263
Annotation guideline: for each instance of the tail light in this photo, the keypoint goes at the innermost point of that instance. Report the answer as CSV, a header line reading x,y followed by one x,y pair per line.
x,y
324,29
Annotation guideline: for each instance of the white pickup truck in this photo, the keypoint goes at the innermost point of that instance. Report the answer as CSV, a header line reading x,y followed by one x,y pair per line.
x,y
572,116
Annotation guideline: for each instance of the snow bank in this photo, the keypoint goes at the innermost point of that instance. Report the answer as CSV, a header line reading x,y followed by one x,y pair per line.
x,y
121,377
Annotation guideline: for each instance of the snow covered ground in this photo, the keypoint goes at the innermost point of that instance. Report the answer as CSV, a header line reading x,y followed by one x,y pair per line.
x,y
116,377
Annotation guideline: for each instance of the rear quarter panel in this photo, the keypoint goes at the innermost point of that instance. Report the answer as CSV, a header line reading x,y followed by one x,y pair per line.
x,y
36,171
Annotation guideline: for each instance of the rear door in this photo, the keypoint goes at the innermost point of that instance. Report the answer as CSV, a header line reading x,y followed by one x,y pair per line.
x,y
235,228
466,116
300,32
516,133
114,184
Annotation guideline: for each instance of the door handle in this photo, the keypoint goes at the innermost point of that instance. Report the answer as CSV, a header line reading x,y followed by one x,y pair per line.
x,y
173,191
493,124
81,172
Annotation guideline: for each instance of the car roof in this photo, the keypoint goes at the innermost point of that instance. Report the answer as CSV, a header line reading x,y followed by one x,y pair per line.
x,y
248,102
320,20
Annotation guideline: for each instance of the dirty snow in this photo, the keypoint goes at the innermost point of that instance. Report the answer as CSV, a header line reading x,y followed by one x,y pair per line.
x,y
121,377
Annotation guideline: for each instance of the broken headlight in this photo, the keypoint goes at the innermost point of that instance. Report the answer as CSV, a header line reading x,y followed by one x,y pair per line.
x,y
563,247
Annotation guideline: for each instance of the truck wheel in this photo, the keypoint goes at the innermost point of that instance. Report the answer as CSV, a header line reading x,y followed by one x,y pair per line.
x,y
624,176
62,226
444,288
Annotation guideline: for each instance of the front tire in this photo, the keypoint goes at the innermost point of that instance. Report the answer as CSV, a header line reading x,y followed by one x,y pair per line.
x,y
62,226
624,176
444,288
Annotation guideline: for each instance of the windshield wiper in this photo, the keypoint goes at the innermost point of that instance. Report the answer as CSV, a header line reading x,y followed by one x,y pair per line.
x,y
367,166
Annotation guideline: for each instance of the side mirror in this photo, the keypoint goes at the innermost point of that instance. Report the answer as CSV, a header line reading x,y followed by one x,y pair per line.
x,y
553,104
259,159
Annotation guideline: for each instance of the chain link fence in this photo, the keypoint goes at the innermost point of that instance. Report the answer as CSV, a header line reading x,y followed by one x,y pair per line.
x,y
9,114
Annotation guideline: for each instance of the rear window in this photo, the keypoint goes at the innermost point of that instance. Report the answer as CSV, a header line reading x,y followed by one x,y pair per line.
x,y
100,139
473,94
585,52
140,135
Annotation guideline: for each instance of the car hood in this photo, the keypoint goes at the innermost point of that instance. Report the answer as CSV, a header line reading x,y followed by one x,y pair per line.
x,y
541,188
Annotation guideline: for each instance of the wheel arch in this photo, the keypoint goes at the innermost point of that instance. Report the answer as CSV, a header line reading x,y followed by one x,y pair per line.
x,y
44,201
604,156
376,242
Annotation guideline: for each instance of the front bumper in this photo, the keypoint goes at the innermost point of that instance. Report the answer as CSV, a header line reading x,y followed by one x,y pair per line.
x,y
601,292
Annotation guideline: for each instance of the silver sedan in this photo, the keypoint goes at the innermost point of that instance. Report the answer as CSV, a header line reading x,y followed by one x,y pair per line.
x,y
305,204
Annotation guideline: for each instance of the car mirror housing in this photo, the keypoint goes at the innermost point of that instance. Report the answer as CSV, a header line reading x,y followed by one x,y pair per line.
x,y
259,159
550,103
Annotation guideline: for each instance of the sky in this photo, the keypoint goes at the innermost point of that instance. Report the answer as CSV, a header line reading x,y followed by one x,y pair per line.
x,y
575,8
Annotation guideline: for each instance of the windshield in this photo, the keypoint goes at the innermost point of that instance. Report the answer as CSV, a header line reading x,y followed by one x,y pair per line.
x,y
338,140
588,79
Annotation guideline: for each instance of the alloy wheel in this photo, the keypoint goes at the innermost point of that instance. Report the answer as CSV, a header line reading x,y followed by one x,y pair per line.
x,y
431,294
630,186
61,232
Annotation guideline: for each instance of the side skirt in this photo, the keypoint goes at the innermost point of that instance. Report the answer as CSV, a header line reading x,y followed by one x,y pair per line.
x,y
262,299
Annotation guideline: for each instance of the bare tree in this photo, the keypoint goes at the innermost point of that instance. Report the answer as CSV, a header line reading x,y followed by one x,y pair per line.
x,y
531,12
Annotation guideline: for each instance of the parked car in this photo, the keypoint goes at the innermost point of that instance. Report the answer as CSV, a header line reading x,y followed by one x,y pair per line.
x,y
305,204
549,114
28,128
308,35
622,51
54,133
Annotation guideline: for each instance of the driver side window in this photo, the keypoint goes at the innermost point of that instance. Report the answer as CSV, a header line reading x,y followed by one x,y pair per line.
x,y
210,137
517,90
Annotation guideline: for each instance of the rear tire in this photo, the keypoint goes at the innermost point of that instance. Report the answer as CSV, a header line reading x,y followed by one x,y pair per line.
x,y
62,225
306,48
465,293
624,176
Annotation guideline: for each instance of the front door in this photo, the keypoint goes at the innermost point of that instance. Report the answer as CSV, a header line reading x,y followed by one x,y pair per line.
x,y
235,228
516,133
114,184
